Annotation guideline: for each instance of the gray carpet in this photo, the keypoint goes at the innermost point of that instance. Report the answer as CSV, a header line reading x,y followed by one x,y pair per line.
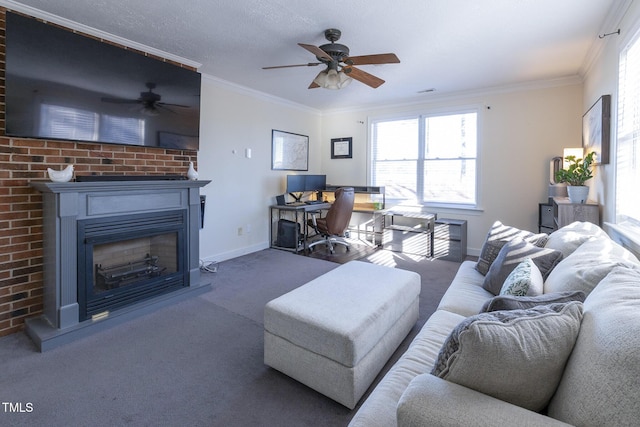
x,y
195,363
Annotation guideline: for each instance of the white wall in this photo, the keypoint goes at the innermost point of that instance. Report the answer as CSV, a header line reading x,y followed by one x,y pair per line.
x,y
521,130
602,78
241,189
524,128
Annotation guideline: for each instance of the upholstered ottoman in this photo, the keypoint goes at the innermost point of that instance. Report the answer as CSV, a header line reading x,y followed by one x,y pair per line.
x,y
335,333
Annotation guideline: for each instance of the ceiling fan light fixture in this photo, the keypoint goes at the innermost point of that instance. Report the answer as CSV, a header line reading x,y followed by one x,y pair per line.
x,y
332,79
149,111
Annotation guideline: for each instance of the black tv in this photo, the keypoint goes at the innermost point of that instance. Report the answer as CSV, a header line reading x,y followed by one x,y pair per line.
x,y
66,86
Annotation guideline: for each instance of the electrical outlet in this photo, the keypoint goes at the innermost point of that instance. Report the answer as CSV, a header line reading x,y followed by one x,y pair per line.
x,y
248,228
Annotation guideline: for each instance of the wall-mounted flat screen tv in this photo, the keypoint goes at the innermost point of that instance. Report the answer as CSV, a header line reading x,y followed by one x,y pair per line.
x,y
65,86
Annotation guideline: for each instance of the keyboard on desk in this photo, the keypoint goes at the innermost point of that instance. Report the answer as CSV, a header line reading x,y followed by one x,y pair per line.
x,y
313,202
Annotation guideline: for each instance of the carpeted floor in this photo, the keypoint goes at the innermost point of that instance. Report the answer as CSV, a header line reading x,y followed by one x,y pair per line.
x,y
195,363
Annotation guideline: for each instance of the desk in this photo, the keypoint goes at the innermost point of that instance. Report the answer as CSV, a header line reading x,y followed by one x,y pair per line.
x,y
408,230
300,213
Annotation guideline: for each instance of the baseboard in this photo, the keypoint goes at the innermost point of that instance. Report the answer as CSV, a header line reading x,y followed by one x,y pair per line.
x,y
223,256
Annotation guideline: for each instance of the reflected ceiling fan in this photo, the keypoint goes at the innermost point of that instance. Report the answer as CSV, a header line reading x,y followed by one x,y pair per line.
x,y
340,66
149,100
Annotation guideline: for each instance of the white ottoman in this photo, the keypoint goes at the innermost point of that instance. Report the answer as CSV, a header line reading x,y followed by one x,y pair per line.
x,y
335,333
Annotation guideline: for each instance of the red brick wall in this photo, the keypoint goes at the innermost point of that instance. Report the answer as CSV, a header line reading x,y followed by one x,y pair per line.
x,y
25,160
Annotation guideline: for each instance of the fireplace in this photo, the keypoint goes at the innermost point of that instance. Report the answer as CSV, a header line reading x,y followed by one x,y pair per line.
x,y
114,250
125,259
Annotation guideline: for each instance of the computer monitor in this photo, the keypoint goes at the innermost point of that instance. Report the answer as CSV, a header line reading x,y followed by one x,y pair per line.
x,y
295,183
298,184
315,182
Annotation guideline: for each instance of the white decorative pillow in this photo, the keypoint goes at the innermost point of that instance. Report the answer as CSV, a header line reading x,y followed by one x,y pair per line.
x,y
512,254
570,237
499,235
517,356
588,265
524,280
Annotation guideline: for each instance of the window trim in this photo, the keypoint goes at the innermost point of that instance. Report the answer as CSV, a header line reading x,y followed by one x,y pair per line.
x,y
622,224
435,112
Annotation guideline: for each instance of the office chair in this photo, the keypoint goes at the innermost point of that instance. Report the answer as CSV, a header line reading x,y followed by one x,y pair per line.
x,y
334,224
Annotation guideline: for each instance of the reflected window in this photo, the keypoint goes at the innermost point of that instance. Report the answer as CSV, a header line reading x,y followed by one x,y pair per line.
x,y
76,124
68,123
123,130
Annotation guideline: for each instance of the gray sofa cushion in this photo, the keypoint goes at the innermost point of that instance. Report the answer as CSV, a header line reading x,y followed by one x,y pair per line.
x,y
570,237
512,254
432,401
600,385
510,302
498,235
588,265
517,356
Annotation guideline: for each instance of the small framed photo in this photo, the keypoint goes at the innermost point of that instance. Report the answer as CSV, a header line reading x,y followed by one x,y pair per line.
x,y
341,148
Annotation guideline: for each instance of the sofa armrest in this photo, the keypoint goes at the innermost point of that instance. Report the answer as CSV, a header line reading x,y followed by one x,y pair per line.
x,y
432,401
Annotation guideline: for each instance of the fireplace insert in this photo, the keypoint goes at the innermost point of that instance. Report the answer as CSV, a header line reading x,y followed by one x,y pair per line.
x,y
125,259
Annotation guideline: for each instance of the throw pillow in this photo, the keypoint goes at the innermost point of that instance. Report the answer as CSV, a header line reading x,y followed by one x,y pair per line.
x,y
499,234
525,279
512,254
569,238
588,265
600,382
517,356
510,302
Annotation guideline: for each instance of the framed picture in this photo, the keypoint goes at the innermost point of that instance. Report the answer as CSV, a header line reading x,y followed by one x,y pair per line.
x,y
596,129
289,151
341,148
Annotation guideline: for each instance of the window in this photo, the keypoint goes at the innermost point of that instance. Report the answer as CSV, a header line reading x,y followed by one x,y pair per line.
x,y
628,137
427,159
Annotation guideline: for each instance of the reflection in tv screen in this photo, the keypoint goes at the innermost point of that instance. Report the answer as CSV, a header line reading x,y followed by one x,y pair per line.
x,y
65,86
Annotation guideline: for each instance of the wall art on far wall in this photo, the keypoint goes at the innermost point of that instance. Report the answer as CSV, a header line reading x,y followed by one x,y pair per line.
x,y
596,129
289,151
341,148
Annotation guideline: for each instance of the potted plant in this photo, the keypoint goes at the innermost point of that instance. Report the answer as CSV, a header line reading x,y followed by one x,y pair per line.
x,y
575,175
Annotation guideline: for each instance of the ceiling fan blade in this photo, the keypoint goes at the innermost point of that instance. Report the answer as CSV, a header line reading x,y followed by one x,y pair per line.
x,y
310,64
166,104
382,58
163,106
363,76
316,51
121,101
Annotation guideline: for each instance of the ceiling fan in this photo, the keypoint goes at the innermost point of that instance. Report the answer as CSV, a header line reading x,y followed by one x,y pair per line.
x,y
149,100
340,66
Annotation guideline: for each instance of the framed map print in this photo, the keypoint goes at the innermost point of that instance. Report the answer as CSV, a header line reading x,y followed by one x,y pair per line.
x,y
289,151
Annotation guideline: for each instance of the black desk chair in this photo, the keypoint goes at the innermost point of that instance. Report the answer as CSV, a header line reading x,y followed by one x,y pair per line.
x,y
335,223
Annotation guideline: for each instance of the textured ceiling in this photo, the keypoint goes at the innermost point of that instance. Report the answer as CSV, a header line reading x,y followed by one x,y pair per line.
x,y
448,45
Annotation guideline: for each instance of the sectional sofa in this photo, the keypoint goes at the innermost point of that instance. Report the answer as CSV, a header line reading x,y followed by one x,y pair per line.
x,y
565,353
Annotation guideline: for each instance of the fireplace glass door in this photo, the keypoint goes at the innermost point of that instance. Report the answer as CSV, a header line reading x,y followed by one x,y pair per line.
x,y
125,260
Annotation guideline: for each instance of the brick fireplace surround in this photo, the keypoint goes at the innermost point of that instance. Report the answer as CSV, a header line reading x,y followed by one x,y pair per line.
x,y
21,228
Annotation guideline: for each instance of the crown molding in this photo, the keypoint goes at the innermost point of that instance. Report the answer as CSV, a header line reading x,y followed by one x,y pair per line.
x,y
102,35
462,95
611,23
258,94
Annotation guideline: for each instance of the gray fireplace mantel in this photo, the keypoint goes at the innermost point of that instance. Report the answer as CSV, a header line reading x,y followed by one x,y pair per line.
x,y
64,204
